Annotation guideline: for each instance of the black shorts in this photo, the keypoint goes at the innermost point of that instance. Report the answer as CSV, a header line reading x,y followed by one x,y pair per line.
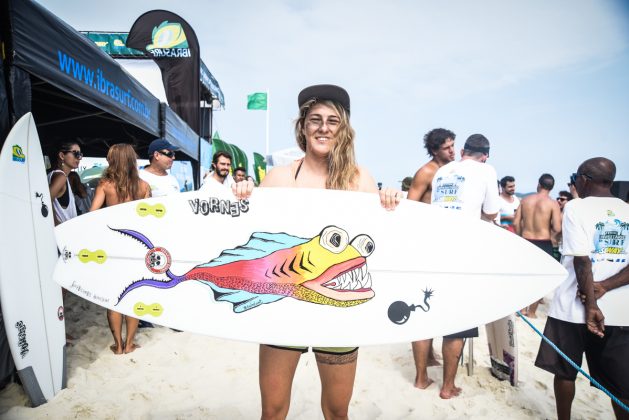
x,y
341,351
543,244
464,334
607,357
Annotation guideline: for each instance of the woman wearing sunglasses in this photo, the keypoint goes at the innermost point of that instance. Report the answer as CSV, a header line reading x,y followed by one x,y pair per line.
x,y
68,158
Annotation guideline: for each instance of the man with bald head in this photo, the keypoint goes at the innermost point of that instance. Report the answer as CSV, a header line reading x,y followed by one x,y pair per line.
x,y
538,220
595,246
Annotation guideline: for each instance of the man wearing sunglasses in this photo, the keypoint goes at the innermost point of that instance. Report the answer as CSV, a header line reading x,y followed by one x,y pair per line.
x,y
595,246
161,155
563,198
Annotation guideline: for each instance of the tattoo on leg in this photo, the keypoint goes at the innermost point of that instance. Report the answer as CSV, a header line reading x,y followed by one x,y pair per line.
x,y
337,359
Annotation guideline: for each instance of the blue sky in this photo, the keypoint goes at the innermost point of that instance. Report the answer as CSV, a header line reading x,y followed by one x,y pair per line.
x,y
546,82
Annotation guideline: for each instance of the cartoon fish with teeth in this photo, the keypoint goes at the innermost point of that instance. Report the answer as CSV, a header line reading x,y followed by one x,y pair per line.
x,y
328,269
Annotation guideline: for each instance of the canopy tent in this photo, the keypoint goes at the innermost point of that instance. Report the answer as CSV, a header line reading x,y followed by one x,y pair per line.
x,y
76,91
73,89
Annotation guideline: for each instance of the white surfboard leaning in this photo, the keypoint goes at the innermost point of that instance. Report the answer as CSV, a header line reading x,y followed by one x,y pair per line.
x,y
300,266
502,339
32,304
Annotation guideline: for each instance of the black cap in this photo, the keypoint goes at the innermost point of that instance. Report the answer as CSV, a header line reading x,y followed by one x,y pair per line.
x,y
161,144
324,92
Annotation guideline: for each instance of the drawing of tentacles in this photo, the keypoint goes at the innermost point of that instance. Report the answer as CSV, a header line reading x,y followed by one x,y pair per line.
x,y
327,269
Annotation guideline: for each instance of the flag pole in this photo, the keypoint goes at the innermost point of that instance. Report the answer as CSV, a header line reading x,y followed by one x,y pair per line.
x,y
267,122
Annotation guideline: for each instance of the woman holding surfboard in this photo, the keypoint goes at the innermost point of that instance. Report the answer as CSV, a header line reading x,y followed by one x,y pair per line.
x,y
324,134
120,183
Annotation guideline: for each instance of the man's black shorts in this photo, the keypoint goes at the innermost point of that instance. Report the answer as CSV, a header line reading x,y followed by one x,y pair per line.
x,y
464,334
607,357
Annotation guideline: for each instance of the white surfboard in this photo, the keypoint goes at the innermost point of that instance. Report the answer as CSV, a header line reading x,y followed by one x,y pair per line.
x,y
502,339
300,266
32,304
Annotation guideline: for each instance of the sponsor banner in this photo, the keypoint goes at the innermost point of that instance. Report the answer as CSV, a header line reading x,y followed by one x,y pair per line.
x,y
171,42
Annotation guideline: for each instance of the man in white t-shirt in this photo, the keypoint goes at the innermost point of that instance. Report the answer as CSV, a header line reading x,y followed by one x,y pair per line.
x,y
509,203
470,187
595,230
221,166
161,157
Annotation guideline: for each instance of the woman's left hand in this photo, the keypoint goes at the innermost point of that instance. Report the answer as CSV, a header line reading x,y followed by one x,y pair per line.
x,y
390,198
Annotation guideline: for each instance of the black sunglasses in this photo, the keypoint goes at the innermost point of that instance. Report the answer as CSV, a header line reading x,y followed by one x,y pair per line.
x,y
167,153
76,153
573,177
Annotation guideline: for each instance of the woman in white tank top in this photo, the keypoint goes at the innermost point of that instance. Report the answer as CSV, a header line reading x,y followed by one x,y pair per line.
x,y
63,205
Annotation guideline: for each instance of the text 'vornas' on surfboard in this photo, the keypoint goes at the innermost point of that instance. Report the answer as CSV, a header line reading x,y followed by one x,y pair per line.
x,y
216,205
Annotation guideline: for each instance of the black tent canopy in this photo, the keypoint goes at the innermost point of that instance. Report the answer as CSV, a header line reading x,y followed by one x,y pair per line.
x,y
75,91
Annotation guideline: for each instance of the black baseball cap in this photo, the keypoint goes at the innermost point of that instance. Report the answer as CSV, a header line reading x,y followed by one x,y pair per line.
x,y
324,92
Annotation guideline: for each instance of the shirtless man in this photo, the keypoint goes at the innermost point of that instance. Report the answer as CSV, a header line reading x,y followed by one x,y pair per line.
x,y
439,144
538,220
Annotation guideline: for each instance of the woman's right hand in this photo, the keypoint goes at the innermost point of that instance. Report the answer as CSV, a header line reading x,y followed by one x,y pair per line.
x,y
243,189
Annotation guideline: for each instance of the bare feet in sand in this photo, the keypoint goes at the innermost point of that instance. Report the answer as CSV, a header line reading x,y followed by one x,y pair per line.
x,y
116,349
423,384
450,393
131,348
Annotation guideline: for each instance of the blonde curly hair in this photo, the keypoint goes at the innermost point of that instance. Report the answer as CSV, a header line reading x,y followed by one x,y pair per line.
x,y
342,167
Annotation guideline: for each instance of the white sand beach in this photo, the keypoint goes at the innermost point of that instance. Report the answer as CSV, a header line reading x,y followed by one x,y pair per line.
x,y
187,376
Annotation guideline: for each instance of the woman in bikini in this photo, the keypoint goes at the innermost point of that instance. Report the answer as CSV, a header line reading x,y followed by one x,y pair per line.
x,y
324,134
120,184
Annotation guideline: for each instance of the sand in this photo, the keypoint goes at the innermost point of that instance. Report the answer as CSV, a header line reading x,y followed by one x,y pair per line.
x,y
187,376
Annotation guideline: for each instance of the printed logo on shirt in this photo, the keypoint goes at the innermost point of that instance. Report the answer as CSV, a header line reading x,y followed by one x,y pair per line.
x,y
610,240
448,190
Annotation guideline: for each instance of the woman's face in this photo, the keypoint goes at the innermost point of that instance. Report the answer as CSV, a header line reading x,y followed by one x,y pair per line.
x,y
320,129
72,156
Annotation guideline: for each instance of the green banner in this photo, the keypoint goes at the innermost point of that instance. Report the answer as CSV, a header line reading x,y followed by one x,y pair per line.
x,y
114,44
259,167
257,100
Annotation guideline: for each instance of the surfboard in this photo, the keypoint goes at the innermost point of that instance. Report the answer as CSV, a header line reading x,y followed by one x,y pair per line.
x,y
503,349
32,304
300,266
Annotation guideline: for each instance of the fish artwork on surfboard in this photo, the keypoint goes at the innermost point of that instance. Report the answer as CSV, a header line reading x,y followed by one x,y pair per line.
x,y
327,269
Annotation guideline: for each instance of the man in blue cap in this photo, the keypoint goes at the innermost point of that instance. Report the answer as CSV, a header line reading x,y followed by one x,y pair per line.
x,y
161,157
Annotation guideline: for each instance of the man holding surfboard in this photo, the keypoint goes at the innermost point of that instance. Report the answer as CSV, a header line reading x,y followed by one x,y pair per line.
x,y
468,186
596,324
324,134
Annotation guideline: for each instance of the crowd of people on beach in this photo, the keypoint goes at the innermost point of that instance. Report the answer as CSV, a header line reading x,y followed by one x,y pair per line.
x,y
585,228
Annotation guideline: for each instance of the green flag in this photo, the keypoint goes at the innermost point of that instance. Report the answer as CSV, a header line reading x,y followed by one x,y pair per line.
x,y
259,167
256,101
